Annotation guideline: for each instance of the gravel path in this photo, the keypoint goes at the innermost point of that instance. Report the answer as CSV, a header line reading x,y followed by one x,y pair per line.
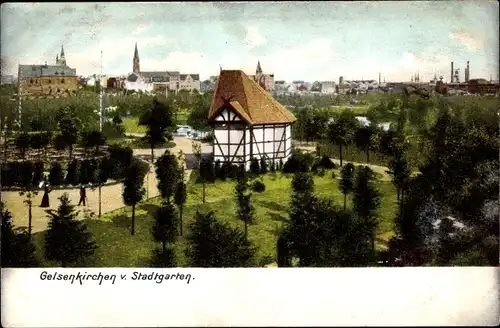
x,y
111,195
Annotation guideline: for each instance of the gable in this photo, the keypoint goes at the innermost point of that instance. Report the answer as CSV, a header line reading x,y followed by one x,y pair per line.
x,y
227,115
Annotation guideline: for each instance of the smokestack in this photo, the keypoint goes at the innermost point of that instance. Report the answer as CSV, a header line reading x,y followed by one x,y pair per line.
x,y
467,73
451,76
379,78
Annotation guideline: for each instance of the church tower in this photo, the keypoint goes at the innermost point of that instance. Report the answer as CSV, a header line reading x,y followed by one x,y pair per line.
x,y
60,59
135,66
259,69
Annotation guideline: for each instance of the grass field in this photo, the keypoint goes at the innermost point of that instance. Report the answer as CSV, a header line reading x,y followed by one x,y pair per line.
x,y
117,248
130,124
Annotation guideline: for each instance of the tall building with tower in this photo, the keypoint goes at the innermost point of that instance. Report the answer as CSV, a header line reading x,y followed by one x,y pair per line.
x,y
266,81
136,65
57,80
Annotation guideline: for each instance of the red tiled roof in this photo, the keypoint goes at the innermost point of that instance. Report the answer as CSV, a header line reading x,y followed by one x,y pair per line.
x,y
248,99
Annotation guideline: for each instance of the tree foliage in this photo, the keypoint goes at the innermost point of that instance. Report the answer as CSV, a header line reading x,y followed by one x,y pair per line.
x,y
214,244
68,240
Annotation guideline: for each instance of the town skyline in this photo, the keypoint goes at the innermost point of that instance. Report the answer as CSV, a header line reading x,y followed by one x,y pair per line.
x,y
295,41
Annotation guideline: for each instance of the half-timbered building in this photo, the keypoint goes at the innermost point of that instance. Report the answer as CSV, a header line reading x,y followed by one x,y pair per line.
x,y
248,122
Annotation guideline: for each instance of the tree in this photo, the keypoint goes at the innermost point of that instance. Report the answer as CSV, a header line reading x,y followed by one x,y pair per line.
x,y
36,142
67,239
163,258
180,199
207,174
363,139
157,121
196,146
197,118
69,132
244,209
28,189
399,169
103,172
215,244
133,187
73,172
347,180
46,137
88,171
23,141
93,139
56,175
168,175
263,165
38,175
17,249
341,131
165,226
254,165
366,201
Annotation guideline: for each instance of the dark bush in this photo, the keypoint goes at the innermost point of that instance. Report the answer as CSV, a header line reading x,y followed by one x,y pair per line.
x,y
36,141
38,175
56,175
26,170
298,162
72,175
8,174
225,170
326,163
120,158
334,175
258,186
254,166
218,170
59,142
272,167
263,166
23,142
280,165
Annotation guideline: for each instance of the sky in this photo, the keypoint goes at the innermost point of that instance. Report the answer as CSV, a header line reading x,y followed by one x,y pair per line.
x,y
311,41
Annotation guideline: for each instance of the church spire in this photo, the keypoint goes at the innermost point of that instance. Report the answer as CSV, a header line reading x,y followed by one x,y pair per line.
x,y
259,69
135,63
62,51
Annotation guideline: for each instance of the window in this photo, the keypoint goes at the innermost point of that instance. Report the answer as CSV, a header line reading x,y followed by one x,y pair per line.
x,y
62,80
31,81
58,90
49,81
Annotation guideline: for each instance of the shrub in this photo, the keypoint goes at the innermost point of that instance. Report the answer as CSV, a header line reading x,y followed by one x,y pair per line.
x,y
225,170
72,175
258,186
298,162
23,141
36,141
56,175
38,175
263,165
280,165
59,142
334,175
254,166
218,170
326,163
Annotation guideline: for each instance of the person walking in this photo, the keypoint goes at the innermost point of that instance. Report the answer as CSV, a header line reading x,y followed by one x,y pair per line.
x,y
83,196
45,198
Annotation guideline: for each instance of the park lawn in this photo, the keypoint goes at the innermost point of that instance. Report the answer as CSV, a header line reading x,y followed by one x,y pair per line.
x,y
130,125
117,248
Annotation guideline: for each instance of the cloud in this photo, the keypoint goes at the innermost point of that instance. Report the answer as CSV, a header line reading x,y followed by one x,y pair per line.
x,y
469,39
140,29
253,38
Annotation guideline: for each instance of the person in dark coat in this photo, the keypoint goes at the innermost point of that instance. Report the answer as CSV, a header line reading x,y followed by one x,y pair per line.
x,y
83,196
45,198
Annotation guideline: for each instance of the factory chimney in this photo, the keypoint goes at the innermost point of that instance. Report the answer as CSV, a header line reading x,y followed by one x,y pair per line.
x,y
467,73
451,76
379,74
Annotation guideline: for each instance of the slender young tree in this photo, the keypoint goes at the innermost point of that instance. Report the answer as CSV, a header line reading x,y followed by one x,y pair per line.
x,y
103,174
207,174
28,189
347,181
133,187
213,244
366,201
168,174
196,146
165,226
180,198
17,249
245,210
67,240
363,139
